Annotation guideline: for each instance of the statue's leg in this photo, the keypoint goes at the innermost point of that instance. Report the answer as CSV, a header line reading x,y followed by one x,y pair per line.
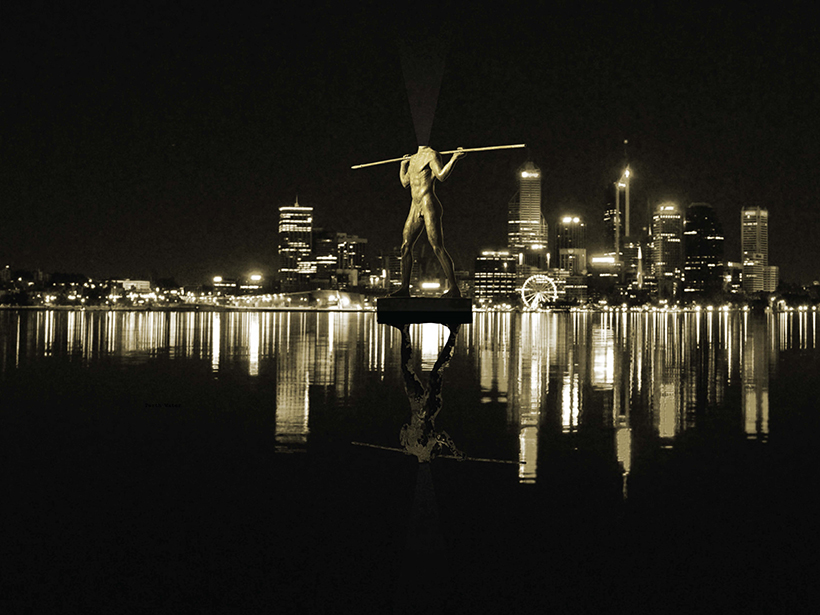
x,y
435,234
413,227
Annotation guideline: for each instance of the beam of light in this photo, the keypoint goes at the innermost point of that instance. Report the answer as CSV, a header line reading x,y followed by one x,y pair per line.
x,y
422,62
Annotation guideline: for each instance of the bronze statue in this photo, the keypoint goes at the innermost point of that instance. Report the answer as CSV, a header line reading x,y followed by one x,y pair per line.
x,y
420,172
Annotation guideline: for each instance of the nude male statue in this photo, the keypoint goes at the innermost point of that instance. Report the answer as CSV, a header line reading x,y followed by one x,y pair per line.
x,y
420,171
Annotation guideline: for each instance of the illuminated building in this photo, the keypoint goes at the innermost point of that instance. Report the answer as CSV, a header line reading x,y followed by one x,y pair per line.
x,y
325,253
733,277
295,245
339,258
703,246
352,251
613,225
570,245
139,286
225,286
632,254
527,230
390,264
754,245
667,249
495,273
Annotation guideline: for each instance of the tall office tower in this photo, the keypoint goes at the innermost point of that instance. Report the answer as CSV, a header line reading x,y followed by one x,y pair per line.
x,y
571,245
495,272
526,225
632,262
609,229
703,247
295,245
325,252
352,252
667,249
754,244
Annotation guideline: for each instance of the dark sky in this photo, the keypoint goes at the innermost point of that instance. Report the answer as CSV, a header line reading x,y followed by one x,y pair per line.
x,y
161,140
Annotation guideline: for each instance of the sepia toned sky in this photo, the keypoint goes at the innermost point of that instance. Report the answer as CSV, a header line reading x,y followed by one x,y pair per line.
x,y
161,140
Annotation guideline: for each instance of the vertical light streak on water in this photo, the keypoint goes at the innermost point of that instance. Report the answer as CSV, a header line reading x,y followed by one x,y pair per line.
x,y
501,357
603,356
110,331
710,320
785,331
293,377
431,342
330,356
216,323
623,448
570,402
814,329
631,343
348,329
173,333
641,331
711,360
265,334
204,334
804,321
49,336
253,344
323,372
756,379
17,346
534,355
771,336
71,323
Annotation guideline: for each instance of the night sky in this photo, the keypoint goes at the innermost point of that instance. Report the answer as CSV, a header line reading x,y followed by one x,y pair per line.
x,y
160,141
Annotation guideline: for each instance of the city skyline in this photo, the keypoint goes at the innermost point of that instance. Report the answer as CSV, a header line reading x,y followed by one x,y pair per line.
x,y
166,141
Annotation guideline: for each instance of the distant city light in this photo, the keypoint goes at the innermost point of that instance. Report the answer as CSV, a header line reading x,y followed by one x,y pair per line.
x,y
256,277
217,278
430,285
528,174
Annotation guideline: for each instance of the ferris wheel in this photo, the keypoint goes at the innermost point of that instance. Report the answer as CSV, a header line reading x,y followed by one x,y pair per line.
x,y
538,291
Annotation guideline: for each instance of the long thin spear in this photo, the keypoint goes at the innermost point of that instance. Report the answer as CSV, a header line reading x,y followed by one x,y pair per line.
x,y
451,151
401,450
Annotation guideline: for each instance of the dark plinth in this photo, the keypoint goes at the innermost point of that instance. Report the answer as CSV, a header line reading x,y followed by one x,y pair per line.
x,y
412,310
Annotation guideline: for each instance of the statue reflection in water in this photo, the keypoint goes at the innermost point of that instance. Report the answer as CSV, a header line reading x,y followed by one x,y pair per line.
x,y
420,437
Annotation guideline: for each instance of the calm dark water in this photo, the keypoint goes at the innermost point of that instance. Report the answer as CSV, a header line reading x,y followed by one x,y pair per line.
x,y
204,461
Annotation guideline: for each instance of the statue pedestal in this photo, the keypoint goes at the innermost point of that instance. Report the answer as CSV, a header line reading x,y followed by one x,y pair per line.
x,y
412,310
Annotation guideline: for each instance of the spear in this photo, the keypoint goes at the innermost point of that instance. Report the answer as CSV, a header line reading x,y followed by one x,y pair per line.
x,y
452,151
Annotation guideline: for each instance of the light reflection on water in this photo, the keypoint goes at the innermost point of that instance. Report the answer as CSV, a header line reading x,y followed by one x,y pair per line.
x,y
652,375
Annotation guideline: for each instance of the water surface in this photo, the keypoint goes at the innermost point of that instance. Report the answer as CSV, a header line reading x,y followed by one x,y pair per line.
x,y
171,457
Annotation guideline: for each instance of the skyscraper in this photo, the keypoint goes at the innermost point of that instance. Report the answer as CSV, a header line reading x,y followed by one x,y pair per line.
x,y
703,246
613,225
295,245
526,222
570,245
527,230
754,244
667,249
